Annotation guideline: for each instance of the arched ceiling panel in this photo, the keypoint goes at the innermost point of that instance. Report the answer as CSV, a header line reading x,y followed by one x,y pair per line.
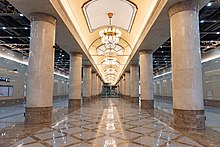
x,y
96,12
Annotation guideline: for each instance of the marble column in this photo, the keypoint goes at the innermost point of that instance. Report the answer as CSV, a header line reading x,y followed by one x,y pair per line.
x,y
87,77
75,80
123,86
188,107
146,79
119,88
94,85
41,69
127,85
134,83
101,84
98,86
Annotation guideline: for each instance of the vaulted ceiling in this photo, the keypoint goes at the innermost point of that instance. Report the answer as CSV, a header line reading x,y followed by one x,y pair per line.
x,y
89,17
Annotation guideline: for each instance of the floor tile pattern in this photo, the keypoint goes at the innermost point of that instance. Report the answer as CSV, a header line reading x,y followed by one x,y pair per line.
x,y
107,123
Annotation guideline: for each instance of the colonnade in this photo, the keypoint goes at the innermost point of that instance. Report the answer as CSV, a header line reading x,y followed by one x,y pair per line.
x,y
188,107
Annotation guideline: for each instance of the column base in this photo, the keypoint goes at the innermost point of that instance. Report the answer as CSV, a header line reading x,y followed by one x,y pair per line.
x,y
87,98
94,97
134,99
189,119
147,104
74,104
38,115
127,97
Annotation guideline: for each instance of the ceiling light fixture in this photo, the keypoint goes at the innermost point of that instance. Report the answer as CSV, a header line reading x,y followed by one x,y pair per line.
x,y
110,61
110,35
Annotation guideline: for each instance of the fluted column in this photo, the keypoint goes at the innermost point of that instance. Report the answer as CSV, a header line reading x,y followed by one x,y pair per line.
x,y
127,84
188,107
94,84
41,69
134,82
146,79
75,80
87,77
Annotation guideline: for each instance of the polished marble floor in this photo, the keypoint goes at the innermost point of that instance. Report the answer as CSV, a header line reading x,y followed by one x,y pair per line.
x,y
12,115
106,123
212,113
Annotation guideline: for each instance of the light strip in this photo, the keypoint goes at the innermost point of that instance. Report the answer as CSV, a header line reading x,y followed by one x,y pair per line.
x,y
14,59
58,74
163,74
211,58
26,63
203,61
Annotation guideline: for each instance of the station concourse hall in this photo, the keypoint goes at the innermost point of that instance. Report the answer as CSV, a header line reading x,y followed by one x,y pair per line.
x,y
109,73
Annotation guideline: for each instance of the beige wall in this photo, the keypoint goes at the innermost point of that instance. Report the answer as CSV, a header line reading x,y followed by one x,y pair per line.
x,y
211,81
18,77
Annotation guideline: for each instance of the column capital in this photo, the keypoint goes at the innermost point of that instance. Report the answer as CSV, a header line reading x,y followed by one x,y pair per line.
x,y
75,54
185,5
148,51
39,16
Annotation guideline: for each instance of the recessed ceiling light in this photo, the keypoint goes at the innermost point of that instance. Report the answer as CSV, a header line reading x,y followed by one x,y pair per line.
x,y
26,28
21,15
217,32
3,28
209,4
11,37
202,21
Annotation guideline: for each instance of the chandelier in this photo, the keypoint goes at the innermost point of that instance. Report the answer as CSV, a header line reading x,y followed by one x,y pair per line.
x,y
110,61
110,35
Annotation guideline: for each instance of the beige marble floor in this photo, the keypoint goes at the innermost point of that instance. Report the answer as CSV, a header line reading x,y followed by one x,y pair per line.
x,y
107,123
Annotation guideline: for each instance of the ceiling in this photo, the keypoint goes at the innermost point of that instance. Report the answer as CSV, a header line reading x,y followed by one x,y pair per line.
x,y
82,20
89,17
123,11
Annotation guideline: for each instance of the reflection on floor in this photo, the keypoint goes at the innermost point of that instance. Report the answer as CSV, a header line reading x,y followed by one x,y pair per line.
x,y
212,113
12,115
106,123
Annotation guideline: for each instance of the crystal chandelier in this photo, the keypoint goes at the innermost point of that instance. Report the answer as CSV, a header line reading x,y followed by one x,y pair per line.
x,y
110,35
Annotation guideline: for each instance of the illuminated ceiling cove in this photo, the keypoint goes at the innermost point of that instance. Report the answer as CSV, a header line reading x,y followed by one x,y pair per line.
x,y
109,31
